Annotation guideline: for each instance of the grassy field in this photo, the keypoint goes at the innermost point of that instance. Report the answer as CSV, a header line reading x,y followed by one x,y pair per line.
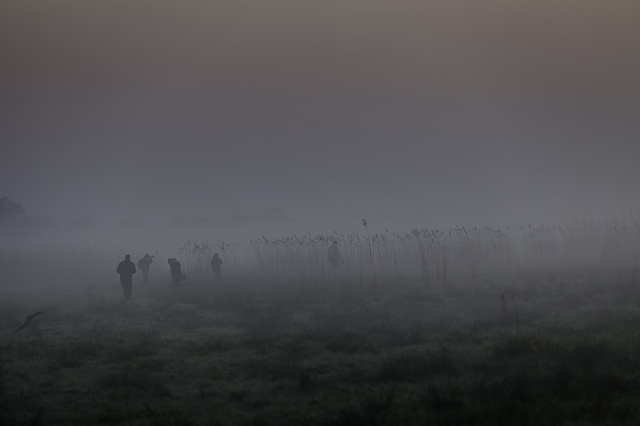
x,y
540,348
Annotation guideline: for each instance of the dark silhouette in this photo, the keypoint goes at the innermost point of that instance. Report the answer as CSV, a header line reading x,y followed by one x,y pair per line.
x,y
27,320
216,267
143,265
176,272
333,255
126,269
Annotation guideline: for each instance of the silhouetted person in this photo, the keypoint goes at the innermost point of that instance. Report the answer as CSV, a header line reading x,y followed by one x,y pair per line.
x,y
143,265
216,266
176,271
333,255
126,269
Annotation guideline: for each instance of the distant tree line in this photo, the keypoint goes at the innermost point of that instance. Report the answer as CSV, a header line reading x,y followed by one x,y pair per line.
x,y
15,223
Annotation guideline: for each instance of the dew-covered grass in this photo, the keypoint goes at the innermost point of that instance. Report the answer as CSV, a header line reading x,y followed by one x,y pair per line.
x,y
539,348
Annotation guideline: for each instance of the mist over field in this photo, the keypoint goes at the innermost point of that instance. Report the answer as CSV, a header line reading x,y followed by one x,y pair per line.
x,y
425,212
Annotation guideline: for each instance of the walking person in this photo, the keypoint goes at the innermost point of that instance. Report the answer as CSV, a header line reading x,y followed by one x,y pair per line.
x,y
216,267
333,255
126,269
143,265
176,272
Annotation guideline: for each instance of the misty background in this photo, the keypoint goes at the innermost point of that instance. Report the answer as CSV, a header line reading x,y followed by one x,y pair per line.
x,y
236,119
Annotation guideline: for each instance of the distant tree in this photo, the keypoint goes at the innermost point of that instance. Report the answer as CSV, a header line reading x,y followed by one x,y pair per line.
x,y
14,222
10,211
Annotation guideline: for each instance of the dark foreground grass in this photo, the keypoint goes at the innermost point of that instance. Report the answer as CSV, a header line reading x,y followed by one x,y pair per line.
x,y
554,350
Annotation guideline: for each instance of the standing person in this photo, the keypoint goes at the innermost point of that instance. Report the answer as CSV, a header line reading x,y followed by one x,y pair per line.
x,y
216,267
143,265
126,269
176,271
333,255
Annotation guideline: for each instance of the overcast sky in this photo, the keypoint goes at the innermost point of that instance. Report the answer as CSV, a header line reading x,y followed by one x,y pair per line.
x,y
409,113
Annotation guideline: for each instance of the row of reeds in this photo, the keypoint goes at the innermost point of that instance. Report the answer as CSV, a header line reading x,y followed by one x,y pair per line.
x,y
435,256
430,256
428,253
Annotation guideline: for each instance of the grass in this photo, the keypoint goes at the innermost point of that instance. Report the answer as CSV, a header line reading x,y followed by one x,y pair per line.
x,y
565,351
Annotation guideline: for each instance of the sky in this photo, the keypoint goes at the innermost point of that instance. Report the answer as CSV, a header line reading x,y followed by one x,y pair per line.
x,y
408,113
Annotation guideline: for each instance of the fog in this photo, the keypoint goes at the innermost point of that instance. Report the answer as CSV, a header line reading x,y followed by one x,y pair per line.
x,y
131,115
424,212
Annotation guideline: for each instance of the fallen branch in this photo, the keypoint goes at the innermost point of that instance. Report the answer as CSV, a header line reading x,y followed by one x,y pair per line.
x,y
27,320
